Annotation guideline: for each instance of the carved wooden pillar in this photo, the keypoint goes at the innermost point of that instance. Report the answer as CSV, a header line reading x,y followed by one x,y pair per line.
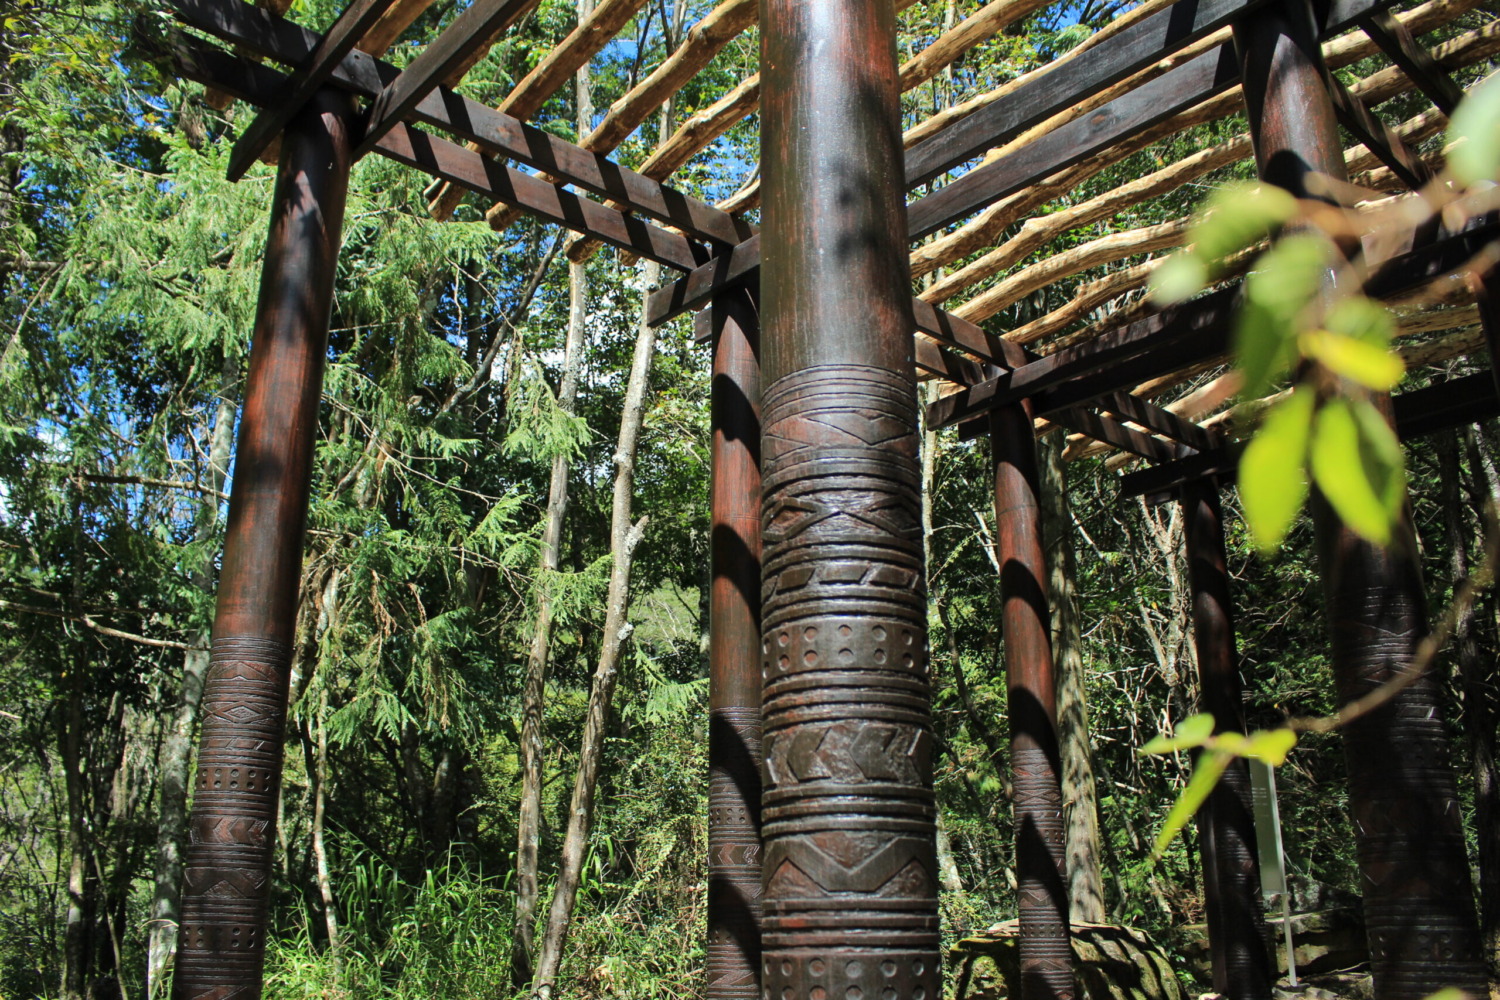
x,y
734,875
1418,893
221,940
1242,967
850,866
1046,954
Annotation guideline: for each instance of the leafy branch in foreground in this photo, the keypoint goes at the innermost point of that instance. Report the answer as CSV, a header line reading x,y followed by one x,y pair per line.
x,y
1300,315
1196,732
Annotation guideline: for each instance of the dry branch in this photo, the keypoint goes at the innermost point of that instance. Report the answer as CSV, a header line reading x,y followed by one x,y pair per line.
x,y
1104,250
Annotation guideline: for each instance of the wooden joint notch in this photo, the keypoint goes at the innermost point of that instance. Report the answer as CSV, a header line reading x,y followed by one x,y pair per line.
x,y
261,33
358,18
1378,137
1453,403
1415,61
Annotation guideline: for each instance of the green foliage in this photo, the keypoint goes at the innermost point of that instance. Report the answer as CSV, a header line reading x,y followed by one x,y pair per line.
x,y
1217,752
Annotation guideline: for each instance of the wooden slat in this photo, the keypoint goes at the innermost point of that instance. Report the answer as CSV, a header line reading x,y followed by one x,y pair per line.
x,y
357,19
1139,109
1156,419
704,39
1415,61
1378,137
449,161
1111,350
1105,430
556,68
490,130
1179,336
470,31
1129,52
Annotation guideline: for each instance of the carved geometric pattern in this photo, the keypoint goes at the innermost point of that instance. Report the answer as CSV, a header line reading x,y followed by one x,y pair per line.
x,y
734,853
850,907
231,827
1419,915
1041,898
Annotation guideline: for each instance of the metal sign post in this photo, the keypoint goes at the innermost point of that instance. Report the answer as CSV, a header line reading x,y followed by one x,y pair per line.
x,y
1272,860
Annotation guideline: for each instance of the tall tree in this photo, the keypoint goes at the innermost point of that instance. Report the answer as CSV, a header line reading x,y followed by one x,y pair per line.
x,y
534,692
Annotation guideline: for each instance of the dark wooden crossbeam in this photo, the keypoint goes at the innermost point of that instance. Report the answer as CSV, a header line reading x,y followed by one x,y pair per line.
x,y
262,33
1378,137
258,84
1152,102
1106,430
1464,400
1414,59
1185,86
1154,336
1146,105
1191,333
1157,420
1129,52
469,32
337,43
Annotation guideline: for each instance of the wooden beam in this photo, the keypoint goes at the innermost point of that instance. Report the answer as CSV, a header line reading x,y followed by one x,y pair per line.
x,y
1415,61
1192,332
1378,137
491,131
1153,102
451,162
339,41
1158,420
1131,51
470,31
1150,336
1464,400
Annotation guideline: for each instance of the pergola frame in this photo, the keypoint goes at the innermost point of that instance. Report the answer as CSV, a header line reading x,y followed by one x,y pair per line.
x,y
817,602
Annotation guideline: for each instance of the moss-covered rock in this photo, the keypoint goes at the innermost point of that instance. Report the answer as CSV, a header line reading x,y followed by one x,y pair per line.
x,y
1111,963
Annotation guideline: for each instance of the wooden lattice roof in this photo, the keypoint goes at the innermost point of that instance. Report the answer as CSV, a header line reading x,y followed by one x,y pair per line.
x,y
984,175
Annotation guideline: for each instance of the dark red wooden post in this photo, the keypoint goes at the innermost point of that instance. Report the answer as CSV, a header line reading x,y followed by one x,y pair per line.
x,y
1418,893
1231,871
221,941
1046,954
851,886
734,875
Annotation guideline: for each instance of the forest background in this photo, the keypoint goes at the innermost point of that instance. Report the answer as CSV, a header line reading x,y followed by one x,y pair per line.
x,y
470,371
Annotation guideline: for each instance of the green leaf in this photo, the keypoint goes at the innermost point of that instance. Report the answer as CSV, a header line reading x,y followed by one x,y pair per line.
x,y
1194,731
1372,366
1356,462
1272,479
1237,216
1286,280
1270,745
1363,319
1474,134
1206,775
1178,277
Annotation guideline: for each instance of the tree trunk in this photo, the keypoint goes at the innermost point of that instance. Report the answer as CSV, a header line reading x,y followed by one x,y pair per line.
x,y
76,929
534,695
177,749
1481,703
320,853
624,537
1080,802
